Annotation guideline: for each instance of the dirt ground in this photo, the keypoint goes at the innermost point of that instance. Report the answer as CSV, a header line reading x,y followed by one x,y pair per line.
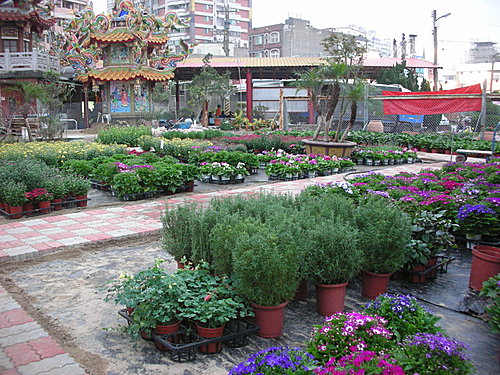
x,y
64,293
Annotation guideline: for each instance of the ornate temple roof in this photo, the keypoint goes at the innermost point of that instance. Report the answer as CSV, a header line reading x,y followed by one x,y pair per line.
x,y
38,12
129,73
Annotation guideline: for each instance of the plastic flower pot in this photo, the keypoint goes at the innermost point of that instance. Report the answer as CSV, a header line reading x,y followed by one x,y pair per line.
x,y
2,206
210,333
44,207
374,284
301,292
330,298
57,204
166,330
28,209
15,212
83,202
189,186
416,277
269,319
485,264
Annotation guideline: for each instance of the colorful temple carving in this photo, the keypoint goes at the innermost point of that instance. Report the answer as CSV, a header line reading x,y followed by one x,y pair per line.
x,y
122,56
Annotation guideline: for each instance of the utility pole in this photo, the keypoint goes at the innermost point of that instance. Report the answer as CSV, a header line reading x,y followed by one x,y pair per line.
x,y
227,24
434,33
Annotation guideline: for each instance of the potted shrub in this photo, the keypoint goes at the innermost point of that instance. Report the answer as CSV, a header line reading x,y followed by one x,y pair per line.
x,y
14,198
266,274
79,188
385,234
42,197
334,258
58,189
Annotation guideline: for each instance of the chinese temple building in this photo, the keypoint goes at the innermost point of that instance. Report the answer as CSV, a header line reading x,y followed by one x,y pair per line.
x,y
20,21
122,56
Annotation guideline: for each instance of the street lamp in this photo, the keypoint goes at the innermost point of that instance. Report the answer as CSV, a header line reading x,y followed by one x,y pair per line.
x,y
435,71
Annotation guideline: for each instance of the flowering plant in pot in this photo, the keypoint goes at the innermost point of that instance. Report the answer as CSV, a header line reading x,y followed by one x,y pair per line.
x,y
277,360
436,354
13,195
362,362
333,258
38,195
477,219
405,317
343,333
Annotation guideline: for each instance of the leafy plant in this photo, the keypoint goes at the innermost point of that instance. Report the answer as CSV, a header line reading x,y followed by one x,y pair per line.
x,y
405,317
433,354
491,290
13,193
362,362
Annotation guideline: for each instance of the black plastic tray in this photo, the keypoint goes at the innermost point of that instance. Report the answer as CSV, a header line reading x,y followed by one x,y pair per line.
x,y
184,345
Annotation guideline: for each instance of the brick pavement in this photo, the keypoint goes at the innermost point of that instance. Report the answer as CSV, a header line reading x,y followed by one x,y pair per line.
x,y
26,348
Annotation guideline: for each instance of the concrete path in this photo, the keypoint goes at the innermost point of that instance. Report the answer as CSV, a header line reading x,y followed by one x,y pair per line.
x,y
25,348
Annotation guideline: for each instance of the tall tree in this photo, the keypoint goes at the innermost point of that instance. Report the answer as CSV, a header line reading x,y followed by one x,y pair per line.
x,y
208,83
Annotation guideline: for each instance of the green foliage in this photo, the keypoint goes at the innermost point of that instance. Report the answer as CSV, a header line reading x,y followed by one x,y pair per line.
x,y
405,317
128,135
399,74
333,255
385,234
434,229
13,193
491,290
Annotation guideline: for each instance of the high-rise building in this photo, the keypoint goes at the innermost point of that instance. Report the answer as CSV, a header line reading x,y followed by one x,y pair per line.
x,y
211,21
64,11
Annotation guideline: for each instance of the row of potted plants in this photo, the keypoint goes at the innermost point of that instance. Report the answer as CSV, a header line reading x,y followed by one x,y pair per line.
x,y
288,166
223,173
383,155
269,244
393,335
31,187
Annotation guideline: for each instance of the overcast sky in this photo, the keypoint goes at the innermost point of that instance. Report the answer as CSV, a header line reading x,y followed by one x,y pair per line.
x,y
470,20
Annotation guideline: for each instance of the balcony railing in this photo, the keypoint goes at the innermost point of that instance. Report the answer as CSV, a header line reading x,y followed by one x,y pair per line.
x,y
22,61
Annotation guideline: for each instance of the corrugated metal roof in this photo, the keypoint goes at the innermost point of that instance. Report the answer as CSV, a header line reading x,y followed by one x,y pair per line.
x,y
253,62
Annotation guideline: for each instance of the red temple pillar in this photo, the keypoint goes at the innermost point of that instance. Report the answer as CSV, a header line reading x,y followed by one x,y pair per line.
x,y
249,95
310,108
85,106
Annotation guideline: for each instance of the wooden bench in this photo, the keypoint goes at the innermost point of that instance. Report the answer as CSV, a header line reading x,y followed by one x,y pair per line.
x,y
462,154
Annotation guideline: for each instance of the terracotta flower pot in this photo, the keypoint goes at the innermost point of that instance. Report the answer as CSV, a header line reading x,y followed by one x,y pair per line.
x,y
44,207
434,150
416,277
424,149
485,264
330,298
431,263
269,319
83,203
209,333
166,330
57,204
189,186
2,206
374,284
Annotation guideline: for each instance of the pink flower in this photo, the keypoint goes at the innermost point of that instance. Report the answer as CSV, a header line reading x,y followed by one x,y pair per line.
x,y
208,297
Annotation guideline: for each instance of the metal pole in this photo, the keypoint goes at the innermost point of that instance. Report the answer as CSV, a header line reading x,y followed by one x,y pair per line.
x,y
434,33
483,112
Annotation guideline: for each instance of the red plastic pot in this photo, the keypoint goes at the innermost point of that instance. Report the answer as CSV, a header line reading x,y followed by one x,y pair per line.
x,y
269,319
374,284
210,333
57,204
434,150
15,211
485,264
83,202
330,298
166,330
2,206
44,207
189,186
28,207
417,278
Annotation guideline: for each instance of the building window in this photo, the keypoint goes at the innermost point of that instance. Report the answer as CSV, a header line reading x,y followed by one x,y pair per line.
x,y
9,44
257,40
274,38
274,53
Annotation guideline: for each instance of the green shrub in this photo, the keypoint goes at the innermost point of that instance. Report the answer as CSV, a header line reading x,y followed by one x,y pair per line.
x,y
128,135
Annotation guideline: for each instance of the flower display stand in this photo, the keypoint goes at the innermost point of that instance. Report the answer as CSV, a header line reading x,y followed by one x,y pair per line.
x,y
184,345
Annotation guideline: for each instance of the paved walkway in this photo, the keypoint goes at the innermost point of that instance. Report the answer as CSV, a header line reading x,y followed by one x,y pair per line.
x,y
25,348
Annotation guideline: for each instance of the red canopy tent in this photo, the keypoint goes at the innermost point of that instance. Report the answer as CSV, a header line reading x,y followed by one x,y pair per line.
x,y
464,99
